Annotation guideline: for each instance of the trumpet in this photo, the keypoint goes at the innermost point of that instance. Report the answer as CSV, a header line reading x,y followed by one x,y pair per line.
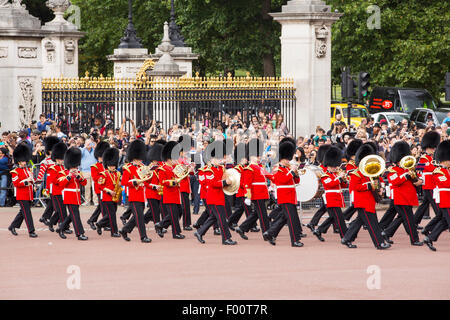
x,y
409,163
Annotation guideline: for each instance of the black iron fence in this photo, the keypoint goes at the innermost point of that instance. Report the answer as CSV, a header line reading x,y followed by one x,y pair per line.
x,y
75,102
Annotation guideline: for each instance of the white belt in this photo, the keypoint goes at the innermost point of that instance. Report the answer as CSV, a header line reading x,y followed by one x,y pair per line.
x,y
71,190
259,183
285,187
335,191
426,173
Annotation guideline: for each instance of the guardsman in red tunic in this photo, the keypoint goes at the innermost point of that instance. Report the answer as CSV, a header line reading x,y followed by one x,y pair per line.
x,y
319,213
153,186
55,188
215,196
23,181
333,182
109,194
285,179
135,190
404,193
364,201
241,159
256,190
44,174
96,169
185,141
429,143
171,192
72,180
442,180
350,153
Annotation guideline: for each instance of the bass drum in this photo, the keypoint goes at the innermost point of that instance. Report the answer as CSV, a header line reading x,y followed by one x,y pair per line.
x,y
310,186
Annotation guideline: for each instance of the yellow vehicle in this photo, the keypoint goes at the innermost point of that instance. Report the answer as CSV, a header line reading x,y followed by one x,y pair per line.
x,y
358,112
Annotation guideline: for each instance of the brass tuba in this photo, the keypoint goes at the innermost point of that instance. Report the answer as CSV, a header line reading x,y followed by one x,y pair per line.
x,y
409,163
372,166
235,177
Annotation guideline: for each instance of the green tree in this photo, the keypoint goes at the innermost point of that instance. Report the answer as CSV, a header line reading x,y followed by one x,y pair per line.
x,y
411,49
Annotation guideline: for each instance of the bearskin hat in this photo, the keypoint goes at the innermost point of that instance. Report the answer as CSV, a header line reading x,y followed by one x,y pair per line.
x,y
161,141
72,158
22,153
240,152
154,154
443,151
291,140
364,151
111,157
287,150
333,157
167,151
49,142
374,146
399,150
255,148
137,150
100,149
352,148
58,151
430,139
321,152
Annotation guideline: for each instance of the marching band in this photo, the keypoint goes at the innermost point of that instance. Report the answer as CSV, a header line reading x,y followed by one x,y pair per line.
x,y
164,186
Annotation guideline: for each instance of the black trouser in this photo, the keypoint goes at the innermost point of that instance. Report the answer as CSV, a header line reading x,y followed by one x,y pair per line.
x,y
97,211
370,221
319,213
241,207
173,212
204,216
388,216
60,210
127,214
290,216
49,209
442,225
336,218
433,222
74,217
424,207
138,218
217,216
348,214
185,209
276,213
109,220
406,217
24,213
154,211
259,212
228,207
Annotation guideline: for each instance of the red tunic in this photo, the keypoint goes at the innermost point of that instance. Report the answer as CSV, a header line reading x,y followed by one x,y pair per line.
x,y
108,184
349,168
427,173
215,195
333,196
44,169
171,192
241,190
151,186
362,194
403,190
202,173
134,193
285,183
96,169
55,187
23,190
442,179
71,193
255,180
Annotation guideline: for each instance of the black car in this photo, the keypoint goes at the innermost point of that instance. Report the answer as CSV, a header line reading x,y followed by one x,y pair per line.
x,y
420,116
387,99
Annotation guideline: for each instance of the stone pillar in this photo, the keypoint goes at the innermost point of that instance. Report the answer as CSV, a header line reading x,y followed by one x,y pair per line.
x,y
128,61
20,66
306,57
60,48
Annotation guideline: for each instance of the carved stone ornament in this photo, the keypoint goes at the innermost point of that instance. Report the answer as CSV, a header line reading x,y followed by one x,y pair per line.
x,y
27,52
3,52
13,4
321,41
27,106
50,49
69,52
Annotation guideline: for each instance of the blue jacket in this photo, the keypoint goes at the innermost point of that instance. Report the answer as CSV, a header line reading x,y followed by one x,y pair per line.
x,y
4,164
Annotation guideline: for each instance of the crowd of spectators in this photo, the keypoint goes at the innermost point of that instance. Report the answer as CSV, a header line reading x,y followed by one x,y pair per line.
x,y
271,128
